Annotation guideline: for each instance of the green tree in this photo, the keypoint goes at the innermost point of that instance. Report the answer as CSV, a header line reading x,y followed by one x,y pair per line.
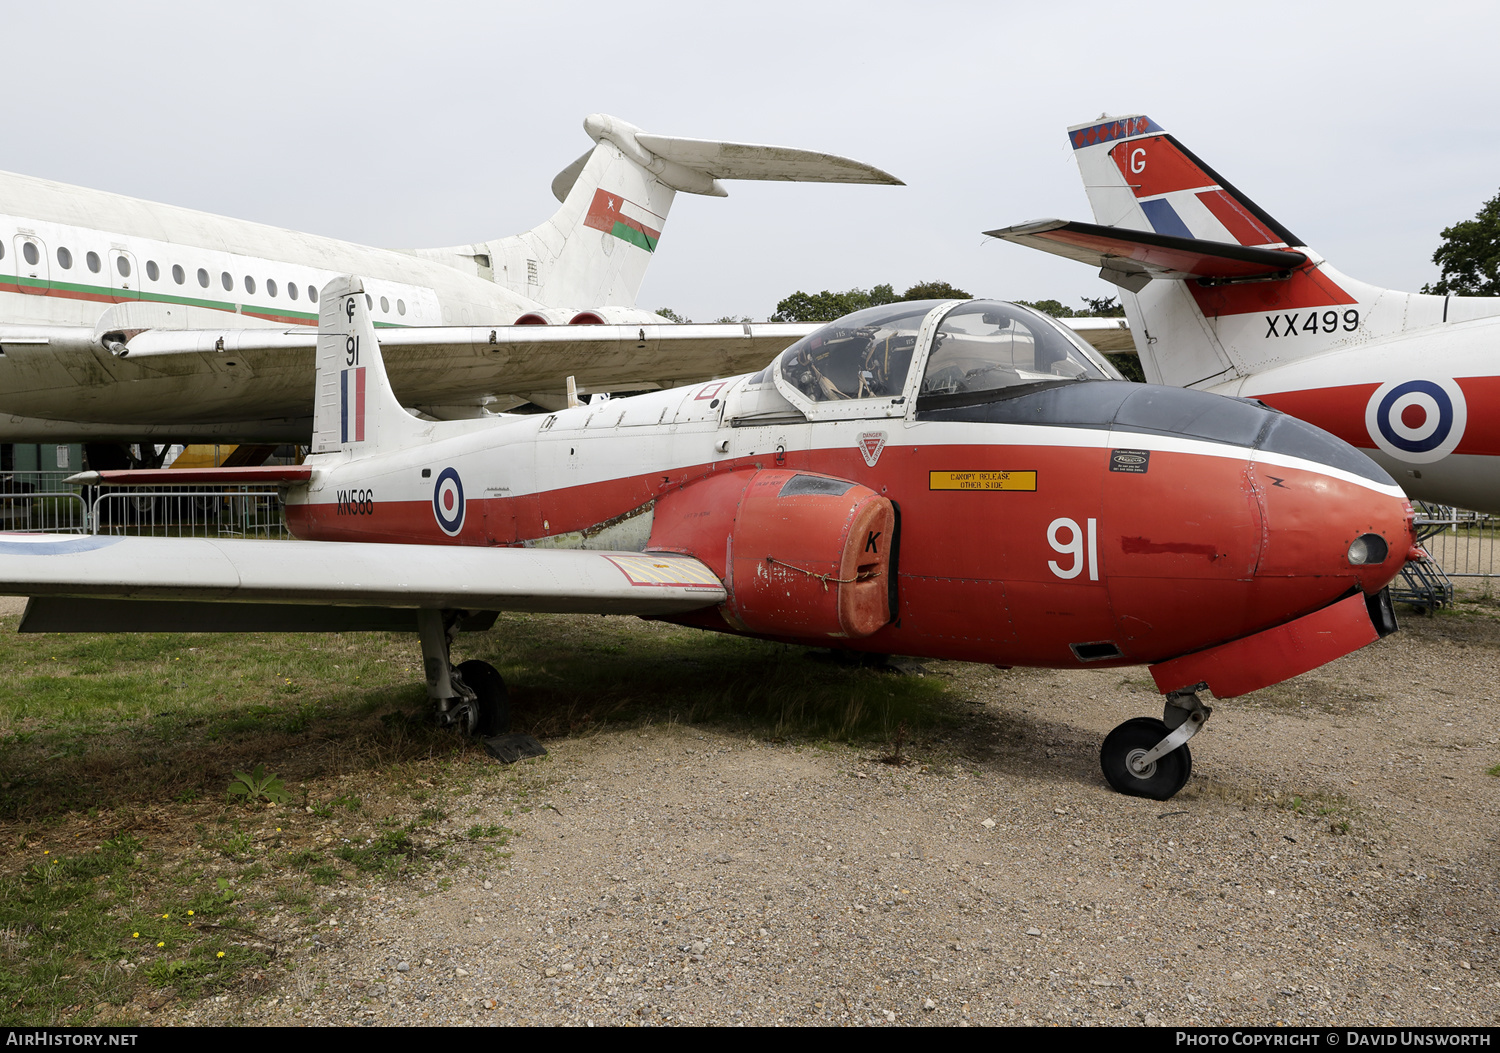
x,y
826,306
1049,307
1103,307
933,291
671,315
1469,258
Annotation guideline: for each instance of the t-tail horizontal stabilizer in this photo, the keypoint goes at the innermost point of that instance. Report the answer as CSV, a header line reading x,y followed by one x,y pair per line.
x,y
1131,258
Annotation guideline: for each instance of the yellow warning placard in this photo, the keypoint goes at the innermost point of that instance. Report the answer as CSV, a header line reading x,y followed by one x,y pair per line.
x,y
981,480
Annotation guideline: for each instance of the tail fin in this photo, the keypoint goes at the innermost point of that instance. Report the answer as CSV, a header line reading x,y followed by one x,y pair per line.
x,y
594,250
355,410
1209,324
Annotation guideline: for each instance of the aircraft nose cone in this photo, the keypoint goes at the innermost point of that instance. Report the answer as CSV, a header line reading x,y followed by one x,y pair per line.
x,y
1328,510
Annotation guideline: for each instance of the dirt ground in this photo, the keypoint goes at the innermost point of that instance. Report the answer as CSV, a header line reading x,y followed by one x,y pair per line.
x,y
1332,861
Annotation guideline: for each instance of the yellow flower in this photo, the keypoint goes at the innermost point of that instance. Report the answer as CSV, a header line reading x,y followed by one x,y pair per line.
x,y
135,935
166,915
190,914
221,954
161,944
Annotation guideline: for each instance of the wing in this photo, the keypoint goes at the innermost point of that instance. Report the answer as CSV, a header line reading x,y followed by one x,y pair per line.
x,y
96,583
1147,254
452,362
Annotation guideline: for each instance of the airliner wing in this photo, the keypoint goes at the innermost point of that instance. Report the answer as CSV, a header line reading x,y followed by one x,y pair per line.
x,y
522,358
452,361
109,584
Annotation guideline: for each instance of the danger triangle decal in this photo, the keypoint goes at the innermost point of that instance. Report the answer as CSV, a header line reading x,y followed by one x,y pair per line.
x,y
870,444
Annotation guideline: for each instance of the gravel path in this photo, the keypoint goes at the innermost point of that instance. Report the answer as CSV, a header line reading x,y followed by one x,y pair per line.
x,y
1333,861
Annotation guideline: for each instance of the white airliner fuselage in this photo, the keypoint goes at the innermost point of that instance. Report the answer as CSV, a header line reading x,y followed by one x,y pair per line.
x,y
84,273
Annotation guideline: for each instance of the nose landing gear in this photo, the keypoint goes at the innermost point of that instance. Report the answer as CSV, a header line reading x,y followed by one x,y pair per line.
x,y
1146,757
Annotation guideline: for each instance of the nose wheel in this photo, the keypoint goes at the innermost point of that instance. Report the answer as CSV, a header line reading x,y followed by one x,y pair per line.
x,y
1143,757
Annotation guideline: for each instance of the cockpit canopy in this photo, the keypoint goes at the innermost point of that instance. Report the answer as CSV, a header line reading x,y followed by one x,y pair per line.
x,y
975,346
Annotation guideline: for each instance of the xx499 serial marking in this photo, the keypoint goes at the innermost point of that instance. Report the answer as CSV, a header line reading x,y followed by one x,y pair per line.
x,y
1296,324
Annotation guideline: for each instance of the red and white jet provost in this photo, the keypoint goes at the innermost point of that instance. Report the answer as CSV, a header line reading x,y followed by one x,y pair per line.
x,y
948,479
1222,297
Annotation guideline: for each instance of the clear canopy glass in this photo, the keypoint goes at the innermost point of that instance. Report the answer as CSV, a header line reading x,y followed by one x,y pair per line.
x,y
863,355
986,345
978,346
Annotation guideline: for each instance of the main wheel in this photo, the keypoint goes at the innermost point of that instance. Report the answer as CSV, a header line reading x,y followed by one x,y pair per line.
x,y
1135,738
488,686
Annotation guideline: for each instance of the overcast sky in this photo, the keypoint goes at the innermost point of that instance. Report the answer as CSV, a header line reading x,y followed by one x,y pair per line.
x,y
1365,128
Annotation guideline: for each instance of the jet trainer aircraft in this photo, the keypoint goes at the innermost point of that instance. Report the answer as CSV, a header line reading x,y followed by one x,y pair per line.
x,y
951,479
123,320
1222,297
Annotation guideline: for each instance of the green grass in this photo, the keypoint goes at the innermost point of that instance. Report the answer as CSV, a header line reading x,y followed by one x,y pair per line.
x,y
116,753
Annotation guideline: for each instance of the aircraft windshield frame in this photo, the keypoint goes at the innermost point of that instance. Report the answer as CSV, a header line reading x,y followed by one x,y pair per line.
x,y
858,365
983,349
878,361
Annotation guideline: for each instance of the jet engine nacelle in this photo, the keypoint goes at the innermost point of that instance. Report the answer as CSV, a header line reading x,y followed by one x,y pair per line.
x,y
801,555
592,316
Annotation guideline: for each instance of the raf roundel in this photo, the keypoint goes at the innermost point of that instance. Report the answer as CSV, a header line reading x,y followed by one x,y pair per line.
x,y
448,502
1417,421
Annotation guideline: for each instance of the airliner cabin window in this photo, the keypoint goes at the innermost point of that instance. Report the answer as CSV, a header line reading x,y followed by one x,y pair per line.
x,y
92,259
122,264
385,306
312,293
203,277
64,258
291,290
228,281
250,285
178,274
271,288
152,270
400,306
369,302
28,249
987,345
860,356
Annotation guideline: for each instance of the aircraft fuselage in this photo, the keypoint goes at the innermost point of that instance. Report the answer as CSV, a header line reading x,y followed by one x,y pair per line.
x,y
1046,534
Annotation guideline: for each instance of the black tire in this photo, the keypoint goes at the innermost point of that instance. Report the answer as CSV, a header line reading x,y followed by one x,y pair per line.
x,y
1140,735
494,702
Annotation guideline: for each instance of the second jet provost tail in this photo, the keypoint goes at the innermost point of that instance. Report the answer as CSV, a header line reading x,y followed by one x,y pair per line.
x,y
1215,288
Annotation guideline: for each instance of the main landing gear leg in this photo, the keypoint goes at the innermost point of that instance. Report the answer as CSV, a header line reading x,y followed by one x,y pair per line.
x,y
470,696
1146,757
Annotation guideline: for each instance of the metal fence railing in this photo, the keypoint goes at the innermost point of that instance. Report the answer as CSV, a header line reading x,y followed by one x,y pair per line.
x,y
44,511
42,502
182,511
1463,542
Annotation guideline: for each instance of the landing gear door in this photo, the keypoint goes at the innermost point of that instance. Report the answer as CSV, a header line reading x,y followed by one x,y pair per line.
x,y
33,274
124,279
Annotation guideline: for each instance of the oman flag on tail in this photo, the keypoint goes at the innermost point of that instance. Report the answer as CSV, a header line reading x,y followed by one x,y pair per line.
x,y
626,220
